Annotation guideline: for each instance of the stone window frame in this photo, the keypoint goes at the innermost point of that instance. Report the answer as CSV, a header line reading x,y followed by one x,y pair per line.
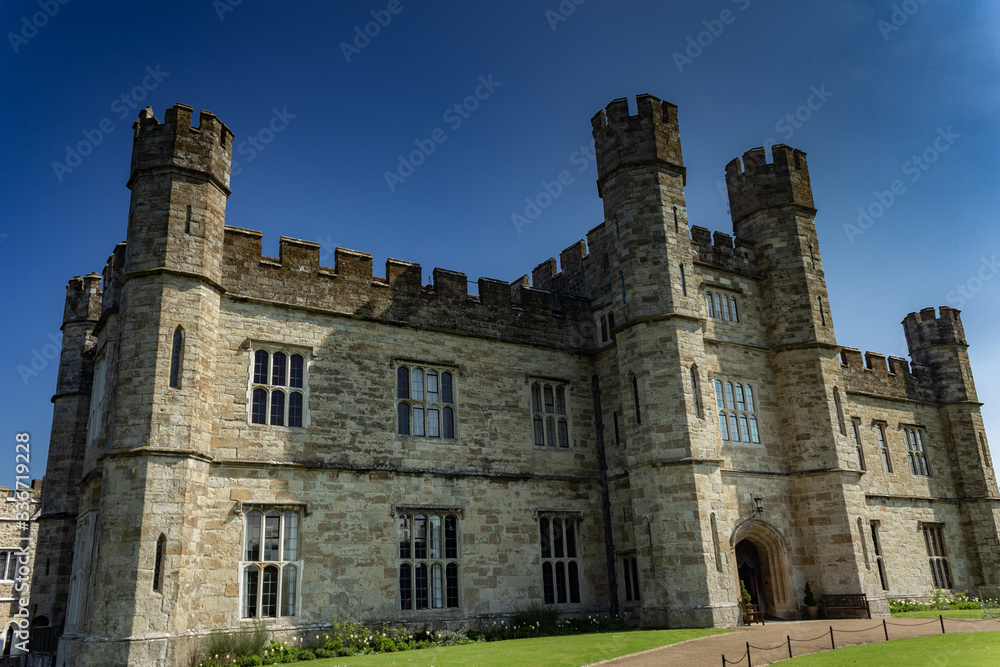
x,y
270,388
916,453
721,305
176,357
876,529
448,561
937,554
8,568
880,426
607,326
630,575
541,417
282,564
557,565
859,447
425,404
730,395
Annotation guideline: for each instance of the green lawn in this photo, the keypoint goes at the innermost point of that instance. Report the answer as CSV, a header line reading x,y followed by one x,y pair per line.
x,y
568,651
972,649
947,613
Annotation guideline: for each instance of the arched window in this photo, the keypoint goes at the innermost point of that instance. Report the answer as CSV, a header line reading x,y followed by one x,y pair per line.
x,y
737,421
710,304
840,411
278,383
736,313
161,543
271,565
858,448
176,354
425,402
428,561
694,391
560,566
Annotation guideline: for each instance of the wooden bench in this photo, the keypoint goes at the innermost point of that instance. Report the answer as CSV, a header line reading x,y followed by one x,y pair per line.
x,y
752,614
989,598
851,601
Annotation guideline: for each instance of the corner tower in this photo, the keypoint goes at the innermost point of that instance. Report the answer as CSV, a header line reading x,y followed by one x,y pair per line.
x,y
642,268
938,342
154,464
641,178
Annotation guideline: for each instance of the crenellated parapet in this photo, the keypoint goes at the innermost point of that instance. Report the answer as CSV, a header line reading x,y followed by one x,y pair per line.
x,y
757,185
891,377
649,137
722,251
206,149
925,329
83,299
515,311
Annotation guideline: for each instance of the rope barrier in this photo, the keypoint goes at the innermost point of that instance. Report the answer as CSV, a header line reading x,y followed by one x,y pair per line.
x,y
874,627
746,656
913,625
768,648
808,640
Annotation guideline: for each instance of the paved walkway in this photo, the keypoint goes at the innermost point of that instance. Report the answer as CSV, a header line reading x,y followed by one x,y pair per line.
x,y
708,651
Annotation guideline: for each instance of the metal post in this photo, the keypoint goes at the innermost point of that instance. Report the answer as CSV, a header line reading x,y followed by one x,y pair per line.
x,y
832,645
885,629
941,616
789,640
749,664
723,660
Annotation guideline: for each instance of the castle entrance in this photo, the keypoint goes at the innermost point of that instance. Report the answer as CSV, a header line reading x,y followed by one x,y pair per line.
x,y
748,568
761,562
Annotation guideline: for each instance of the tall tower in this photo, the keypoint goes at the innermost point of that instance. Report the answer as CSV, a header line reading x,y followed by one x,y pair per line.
x,y
60,493
642,259
772,207
938,342
155,462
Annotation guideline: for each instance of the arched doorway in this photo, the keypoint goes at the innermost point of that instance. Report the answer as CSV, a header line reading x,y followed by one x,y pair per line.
x,y
8,642
761,557
749,571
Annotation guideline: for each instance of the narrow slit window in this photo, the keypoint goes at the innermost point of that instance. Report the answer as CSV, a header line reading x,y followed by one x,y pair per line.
x,y
161,543
635,396
176,349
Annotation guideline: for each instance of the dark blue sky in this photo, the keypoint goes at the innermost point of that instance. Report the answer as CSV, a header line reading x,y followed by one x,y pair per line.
x,y
885,86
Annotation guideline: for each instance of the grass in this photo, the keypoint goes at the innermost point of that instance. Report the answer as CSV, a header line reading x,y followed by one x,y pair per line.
x,y
565,651
947,613
972,649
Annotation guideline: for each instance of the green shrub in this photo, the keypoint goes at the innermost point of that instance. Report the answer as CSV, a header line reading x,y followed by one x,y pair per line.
x,y
236,645
307,655
538,616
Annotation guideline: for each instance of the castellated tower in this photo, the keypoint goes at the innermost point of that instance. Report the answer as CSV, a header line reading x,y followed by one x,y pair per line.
x,y
938,342
772,207
156,446
60,493
642,271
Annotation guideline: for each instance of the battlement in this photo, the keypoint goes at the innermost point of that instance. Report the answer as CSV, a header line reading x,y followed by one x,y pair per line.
x,y
83,299
892,377
757,185
514,311
720,250
926,328
651,136
206,149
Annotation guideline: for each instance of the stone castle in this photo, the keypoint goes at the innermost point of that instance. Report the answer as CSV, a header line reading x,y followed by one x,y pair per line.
x,y
663,413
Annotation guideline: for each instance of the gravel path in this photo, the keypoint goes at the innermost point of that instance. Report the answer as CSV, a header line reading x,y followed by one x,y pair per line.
x,y
708,651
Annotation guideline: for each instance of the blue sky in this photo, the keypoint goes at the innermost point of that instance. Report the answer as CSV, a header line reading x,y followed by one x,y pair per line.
x,y
886,82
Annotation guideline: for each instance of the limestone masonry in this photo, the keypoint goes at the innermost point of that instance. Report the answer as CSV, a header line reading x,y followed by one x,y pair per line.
x,y
633,429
